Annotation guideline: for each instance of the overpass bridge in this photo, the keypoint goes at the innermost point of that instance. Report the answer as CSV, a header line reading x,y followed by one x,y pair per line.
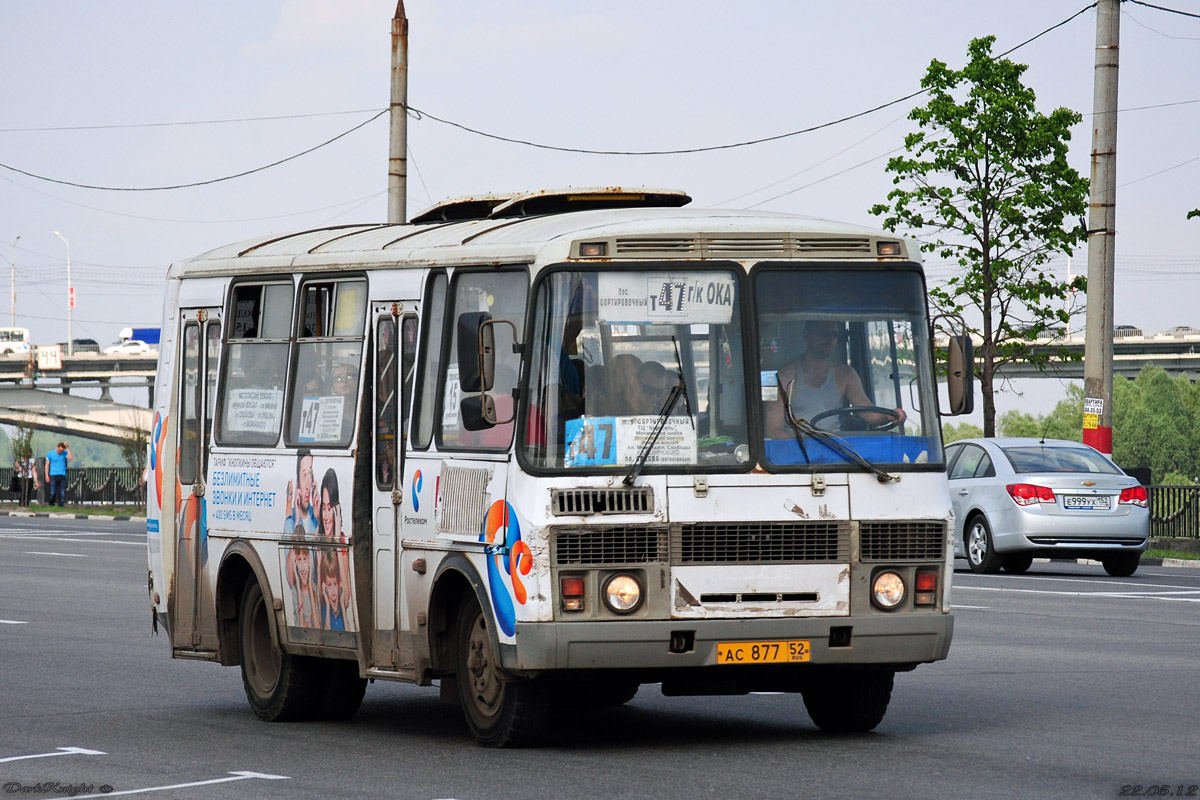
x,y
41,398
1177,353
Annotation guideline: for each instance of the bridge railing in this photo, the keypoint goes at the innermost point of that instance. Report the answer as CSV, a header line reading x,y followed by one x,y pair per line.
x,y
88,486
1175,512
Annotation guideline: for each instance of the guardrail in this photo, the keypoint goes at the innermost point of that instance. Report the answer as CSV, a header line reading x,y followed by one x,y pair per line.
x,y
1175,512
88,486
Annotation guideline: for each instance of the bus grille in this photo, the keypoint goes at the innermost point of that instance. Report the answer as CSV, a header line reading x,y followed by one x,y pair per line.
x,y
903,540
761,542
574,502
610,544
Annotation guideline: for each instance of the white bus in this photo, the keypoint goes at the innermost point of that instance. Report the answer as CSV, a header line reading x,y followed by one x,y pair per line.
x,y
544,449
14,340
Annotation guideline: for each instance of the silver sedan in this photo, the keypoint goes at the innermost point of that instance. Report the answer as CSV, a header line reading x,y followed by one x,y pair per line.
x,y
1015,499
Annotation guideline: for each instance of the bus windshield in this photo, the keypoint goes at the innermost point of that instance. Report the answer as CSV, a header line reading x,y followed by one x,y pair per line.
x,y
844,368
610,350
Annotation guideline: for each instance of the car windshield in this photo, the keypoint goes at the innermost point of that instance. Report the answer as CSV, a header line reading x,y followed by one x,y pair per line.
x,y
1050,458
844,369
608,351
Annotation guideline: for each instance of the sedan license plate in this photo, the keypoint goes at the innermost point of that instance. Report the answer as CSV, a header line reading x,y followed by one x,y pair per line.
x,y
782,652
1095,502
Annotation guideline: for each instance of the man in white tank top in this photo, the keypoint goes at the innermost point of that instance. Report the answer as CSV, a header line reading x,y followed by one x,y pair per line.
x,y
815,384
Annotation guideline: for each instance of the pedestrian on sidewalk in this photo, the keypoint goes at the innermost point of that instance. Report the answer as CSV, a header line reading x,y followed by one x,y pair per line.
x,y
56,473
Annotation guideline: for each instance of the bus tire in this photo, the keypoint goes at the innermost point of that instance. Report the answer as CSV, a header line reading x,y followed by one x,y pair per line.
x,y
849,701
343,691
500,711
280,687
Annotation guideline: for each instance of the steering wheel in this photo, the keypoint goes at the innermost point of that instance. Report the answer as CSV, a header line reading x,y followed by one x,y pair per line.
x,y
892,421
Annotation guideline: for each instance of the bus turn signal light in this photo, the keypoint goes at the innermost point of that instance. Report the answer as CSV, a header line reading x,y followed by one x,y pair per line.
x,y
926,591
572,593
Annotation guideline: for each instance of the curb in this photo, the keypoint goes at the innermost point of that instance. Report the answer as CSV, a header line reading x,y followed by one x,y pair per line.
x,y
68,515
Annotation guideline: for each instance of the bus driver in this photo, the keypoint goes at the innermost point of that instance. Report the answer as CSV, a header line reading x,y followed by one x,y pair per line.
x,y
816,384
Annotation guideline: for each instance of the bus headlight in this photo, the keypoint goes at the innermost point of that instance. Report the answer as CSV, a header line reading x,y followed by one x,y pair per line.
x,y
622,593
887,590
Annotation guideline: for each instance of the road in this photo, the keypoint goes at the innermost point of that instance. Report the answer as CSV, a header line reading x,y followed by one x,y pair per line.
x,y
1061,683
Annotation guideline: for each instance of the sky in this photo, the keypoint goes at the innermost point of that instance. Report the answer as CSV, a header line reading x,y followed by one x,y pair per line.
x,y
137,94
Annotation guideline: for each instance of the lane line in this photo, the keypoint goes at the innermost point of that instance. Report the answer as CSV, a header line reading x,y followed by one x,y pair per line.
x,y
84,541
973,608
12,622
63,751
44,553
1097,581
237,776
1111,595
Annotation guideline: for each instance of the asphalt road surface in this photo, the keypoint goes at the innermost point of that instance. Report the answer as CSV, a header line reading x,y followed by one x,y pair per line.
x,y
1061,683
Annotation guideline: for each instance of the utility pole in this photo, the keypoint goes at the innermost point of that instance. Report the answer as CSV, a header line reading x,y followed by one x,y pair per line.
x,y
1098,341
14,282
70,297
398,132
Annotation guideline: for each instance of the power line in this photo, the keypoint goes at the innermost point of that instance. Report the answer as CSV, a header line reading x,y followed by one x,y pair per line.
x,y
1164,8
197,183
187,123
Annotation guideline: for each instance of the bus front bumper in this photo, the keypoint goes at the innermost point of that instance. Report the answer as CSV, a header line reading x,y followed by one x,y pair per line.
x,y
901,640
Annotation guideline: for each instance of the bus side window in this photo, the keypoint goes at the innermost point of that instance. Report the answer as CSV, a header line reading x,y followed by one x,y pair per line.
x,y
255,363
504,296
425,398
327,358
386,402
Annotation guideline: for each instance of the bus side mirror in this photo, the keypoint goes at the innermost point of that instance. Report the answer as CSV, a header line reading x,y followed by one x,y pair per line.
x,y
477,412
960,374
476,352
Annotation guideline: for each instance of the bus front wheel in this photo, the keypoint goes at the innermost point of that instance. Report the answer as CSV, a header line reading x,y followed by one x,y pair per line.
x,y
279,686
849,701
500,711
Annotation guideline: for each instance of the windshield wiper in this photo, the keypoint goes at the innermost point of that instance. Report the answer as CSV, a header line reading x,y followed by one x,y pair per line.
x,y
677,390
802,427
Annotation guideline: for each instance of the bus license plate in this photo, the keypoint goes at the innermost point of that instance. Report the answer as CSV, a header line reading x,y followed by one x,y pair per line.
x,y
784,652
1086,502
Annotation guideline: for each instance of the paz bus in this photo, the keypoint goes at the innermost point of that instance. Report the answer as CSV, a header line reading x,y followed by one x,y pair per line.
x,y
543,449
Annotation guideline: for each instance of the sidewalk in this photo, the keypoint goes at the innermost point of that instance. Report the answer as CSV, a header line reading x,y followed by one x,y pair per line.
x,y
69,515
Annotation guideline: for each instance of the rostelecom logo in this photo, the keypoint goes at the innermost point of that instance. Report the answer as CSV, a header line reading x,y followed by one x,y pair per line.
x,y
416,490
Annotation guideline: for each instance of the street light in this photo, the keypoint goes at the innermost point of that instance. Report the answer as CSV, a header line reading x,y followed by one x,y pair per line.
x,y
70,296
14,282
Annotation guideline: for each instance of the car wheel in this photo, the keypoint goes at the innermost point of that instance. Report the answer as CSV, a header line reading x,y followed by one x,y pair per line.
x,y
1016,564
981,553
501,711
1122,566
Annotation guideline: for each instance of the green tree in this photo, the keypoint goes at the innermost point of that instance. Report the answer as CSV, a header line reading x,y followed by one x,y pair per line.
x,y
1156,423
1064,422
952,432
985,183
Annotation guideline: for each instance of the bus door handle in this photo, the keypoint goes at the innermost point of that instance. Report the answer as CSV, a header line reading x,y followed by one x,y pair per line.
x,y
397,497
198,489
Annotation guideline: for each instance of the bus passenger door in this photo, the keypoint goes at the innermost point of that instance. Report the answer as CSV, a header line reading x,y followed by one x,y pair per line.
x,y
395,352
190,597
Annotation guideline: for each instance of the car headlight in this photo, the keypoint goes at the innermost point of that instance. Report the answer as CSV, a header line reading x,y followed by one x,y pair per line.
x,y
622,593
887,590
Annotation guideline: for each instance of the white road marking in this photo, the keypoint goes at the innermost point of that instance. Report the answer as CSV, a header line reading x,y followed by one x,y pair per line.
x,y
974,608
65,539
1097,581
45,553
1147,595
237,776
12,622
62,751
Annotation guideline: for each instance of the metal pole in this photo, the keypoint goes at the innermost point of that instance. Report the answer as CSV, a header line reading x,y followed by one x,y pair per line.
x,y
1098,341
398,138
70,296
14,282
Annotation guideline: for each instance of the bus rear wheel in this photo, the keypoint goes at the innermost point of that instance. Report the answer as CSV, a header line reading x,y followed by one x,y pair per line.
x,y
500,711
280,687
849,701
